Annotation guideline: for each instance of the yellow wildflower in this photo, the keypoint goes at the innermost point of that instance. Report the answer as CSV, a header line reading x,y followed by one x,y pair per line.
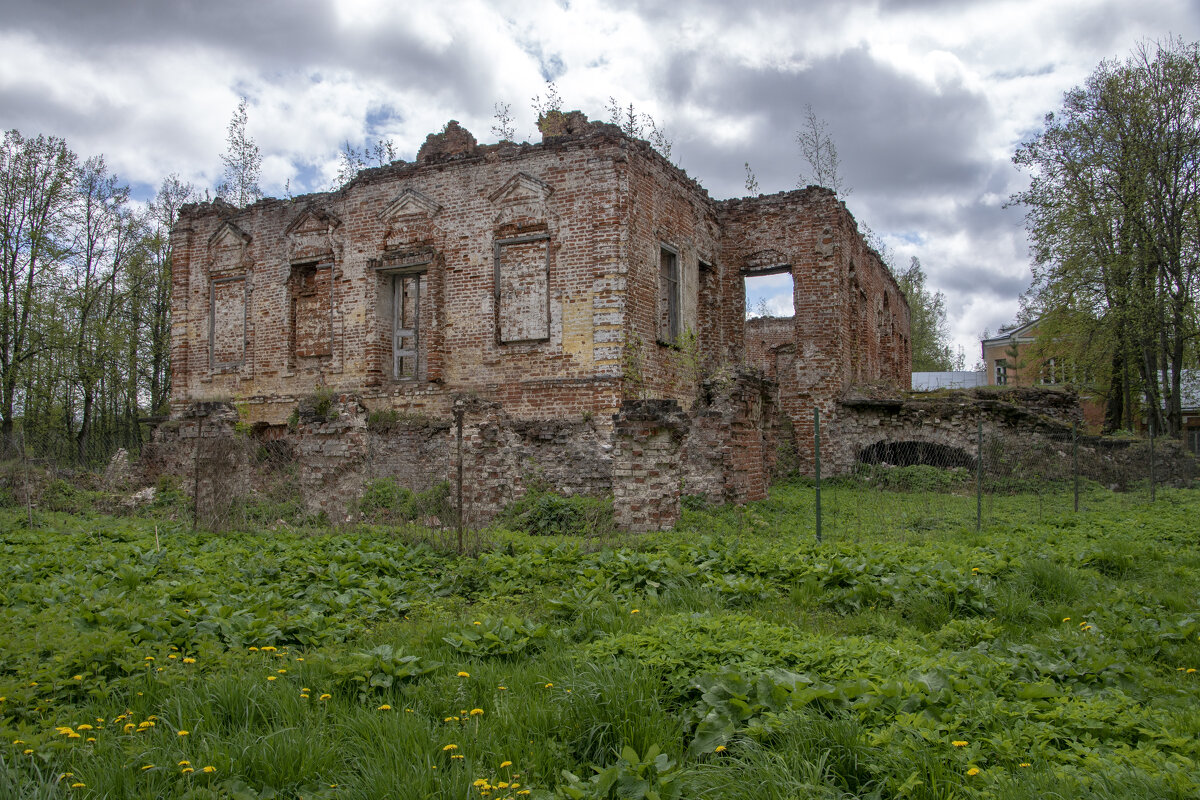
x,y
209,769
271,678
548,686
325,697
973,771
27,752
76,677
147,766
720,749
268,649
183,733
635,611
959,743
148,658
384,707
464,674
476,712
450,747
504,764
78,785
458,755
186,771
84,727
1024,764
189,660
184,763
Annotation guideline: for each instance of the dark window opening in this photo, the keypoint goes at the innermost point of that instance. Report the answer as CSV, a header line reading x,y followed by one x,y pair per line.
x,y
908,454
669,296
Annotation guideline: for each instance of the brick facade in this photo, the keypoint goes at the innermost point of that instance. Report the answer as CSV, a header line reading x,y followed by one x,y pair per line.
x,y
547,283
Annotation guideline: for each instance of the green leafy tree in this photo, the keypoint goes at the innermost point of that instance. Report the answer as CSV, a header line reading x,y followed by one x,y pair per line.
x,y
36,192
931,350
1113,213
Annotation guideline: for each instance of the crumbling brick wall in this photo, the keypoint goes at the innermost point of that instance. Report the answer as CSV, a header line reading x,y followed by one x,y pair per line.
x,y
851,323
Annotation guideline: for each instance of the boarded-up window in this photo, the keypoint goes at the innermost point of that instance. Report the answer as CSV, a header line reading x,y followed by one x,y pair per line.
x,y
523,289
227,323
668,295
311,324
406,291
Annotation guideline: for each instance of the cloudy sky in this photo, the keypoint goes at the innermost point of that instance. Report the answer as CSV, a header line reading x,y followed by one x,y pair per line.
x,y
926,99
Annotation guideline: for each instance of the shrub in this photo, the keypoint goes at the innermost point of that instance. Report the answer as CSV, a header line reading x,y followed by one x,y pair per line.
x,y
384,501
545,513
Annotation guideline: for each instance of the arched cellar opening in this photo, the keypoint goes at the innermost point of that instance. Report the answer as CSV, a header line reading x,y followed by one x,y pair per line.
x,y
911,453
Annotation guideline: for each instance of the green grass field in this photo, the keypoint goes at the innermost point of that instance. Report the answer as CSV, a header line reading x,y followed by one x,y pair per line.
x,y
1049,655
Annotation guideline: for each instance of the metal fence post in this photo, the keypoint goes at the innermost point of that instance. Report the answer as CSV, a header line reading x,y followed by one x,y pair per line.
x,y
817,445
1153,487
1075,461
979,477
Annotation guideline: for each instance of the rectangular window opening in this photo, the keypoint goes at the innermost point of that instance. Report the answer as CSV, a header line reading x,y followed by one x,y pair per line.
x,y
770,295
312,323
227,323
669,317
1001,372
405,292
523,289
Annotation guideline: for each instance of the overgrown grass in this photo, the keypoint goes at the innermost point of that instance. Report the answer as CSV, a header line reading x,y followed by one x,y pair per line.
x,y
1047,655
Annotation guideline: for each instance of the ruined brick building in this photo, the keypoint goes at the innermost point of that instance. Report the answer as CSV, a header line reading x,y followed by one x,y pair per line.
x,y
571,311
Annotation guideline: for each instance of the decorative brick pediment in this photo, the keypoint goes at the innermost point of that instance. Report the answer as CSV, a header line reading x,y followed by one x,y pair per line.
x,y
521,200
227,248
410,203
310,235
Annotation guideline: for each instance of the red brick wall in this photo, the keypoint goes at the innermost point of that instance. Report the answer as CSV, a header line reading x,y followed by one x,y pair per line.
x,y
851,320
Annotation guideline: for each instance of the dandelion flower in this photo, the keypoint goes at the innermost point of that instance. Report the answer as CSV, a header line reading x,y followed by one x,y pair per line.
x,y
449,747
268,649
501,784
186,771
303,696
18,741
384,707
90,739
84,727
253,649
148,658
476,623
183,733
147,766
271,678
959,743
1066,619
27,752
504,764
464,674
73,735
635,611
1024,764
209,769
1190,670
719,749
78,785
975,569
502,688
476,712
281,671
76,677
325,697
189,660
129,726
458,755
172,656
184,763
973,771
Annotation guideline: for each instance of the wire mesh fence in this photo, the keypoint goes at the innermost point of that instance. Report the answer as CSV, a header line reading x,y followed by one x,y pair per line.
x,y
1009,477
895,488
